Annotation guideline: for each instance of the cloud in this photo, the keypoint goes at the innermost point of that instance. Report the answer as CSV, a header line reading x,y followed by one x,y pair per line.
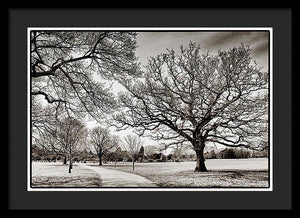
x,y
261,49
154,43
224,40
219,39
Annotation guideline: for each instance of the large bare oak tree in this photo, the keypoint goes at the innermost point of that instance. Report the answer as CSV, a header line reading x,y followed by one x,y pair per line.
x,y
200,98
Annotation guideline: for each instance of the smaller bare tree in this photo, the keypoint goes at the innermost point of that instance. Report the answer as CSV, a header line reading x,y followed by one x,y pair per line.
x,y
69,133
101,142
132,144
47,141
116,154
116,149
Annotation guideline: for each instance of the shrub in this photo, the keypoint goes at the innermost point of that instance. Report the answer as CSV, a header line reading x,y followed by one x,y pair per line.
x,y
240,153
210,155
155,156
150,160
227,154
163,158
36,158
192,157
182,157
169,156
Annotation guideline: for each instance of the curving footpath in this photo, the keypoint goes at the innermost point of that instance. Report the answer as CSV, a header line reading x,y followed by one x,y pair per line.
x,y
115,178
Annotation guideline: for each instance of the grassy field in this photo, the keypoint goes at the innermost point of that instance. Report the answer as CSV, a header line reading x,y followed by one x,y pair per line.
x,y
46,174
222,173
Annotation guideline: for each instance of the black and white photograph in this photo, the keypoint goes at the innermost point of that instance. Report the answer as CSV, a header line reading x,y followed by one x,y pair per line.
x,y
149,109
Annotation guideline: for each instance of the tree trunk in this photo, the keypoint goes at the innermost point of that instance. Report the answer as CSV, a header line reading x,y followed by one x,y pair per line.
x,y
65,160
132,164
100,159
200,165
70,164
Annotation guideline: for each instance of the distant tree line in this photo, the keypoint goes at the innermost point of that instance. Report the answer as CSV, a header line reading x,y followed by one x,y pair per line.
x,y
119,155
233,153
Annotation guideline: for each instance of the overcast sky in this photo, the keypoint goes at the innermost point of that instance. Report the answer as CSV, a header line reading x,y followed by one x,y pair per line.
x,y
154,43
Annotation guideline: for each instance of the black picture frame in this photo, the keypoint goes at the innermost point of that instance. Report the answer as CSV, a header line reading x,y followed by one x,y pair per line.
x,y
279,20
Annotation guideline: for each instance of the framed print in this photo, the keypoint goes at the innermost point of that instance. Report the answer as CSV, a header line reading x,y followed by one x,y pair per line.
x,y
150,109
